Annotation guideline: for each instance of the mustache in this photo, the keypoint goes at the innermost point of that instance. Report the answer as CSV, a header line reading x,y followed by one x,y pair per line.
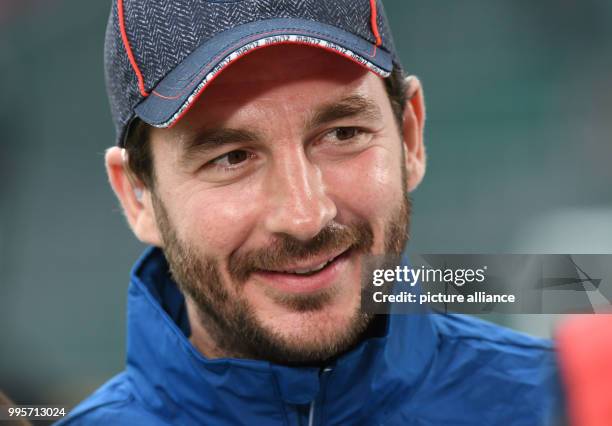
x,y
287,249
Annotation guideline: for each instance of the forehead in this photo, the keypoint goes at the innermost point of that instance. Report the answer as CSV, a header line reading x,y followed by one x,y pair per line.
x,y
293,78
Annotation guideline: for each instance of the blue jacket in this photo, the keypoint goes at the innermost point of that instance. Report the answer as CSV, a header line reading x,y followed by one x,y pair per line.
x,y
423,370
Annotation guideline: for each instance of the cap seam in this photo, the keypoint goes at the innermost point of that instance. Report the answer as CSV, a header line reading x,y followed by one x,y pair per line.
x,y
374,22
128,49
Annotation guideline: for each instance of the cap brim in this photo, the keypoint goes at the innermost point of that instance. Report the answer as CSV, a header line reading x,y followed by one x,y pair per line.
x,y
175,93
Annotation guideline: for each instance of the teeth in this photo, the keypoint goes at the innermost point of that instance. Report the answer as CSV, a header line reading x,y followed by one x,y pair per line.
x,y
308,271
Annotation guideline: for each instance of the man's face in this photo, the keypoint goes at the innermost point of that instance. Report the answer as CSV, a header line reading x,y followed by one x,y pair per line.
x,y
270,191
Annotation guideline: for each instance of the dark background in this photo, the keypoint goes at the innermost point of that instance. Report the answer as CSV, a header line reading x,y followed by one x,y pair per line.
x,y
518,138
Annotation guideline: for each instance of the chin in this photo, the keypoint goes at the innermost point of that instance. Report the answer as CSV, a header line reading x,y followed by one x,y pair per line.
x,y
314,336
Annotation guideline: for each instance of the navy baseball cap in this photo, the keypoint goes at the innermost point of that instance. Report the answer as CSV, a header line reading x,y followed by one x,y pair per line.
x,y
160,55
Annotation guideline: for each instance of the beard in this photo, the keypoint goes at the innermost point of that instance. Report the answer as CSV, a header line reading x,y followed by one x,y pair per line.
x,y
231,321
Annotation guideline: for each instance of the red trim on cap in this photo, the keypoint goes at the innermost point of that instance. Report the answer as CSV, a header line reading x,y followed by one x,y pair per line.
x,y
128,49
374,23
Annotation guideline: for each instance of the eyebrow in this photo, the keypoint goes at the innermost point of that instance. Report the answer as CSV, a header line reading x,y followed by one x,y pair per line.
x,y
348,107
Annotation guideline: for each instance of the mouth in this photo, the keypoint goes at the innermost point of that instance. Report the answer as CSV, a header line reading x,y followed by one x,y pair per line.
x,y
307,277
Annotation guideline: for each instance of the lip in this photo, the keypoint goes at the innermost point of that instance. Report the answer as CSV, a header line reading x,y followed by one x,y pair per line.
x,y
304,284
310,263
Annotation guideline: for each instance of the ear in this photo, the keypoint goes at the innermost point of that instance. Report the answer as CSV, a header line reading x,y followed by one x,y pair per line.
x,y
413,127
134,197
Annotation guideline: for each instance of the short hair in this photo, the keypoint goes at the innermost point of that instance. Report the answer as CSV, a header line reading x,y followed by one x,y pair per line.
x,y
140,155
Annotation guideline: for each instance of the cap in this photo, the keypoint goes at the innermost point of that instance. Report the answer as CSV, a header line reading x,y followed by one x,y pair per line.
x,y
160,55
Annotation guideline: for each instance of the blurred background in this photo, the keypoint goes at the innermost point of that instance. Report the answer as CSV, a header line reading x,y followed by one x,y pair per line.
x,y
519,142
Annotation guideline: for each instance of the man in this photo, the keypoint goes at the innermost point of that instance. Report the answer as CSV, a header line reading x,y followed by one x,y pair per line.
x,y
266,149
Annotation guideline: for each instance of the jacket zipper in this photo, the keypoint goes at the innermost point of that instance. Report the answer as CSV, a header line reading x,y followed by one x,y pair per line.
x,y
311,413
311,410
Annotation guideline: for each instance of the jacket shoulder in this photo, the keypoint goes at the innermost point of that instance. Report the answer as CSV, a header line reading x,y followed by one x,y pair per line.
x,y
468,330
491,373
113,403
492,357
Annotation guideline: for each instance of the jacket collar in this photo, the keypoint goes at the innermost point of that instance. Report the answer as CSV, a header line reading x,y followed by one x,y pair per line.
x,y
169,374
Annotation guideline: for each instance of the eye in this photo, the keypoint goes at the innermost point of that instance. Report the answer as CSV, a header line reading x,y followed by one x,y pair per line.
x,y
230,166
346,136
344,141
232,158
345,133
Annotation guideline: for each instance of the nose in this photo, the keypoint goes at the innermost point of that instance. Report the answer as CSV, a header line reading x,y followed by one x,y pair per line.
x,y
299,204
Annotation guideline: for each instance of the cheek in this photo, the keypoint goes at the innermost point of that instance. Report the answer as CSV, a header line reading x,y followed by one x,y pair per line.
x,y
216,221
368,185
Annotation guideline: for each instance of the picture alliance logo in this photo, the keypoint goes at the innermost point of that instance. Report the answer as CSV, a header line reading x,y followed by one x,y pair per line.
x,y
412,276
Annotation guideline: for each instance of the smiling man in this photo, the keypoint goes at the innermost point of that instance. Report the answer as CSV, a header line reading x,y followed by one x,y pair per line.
x,y
265,150
265,203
